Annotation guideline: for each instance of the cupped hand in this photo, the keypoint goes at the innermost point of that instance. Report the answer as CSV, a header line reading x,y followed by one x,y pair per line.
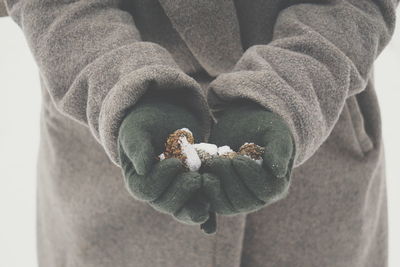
x,y
166,185
240,184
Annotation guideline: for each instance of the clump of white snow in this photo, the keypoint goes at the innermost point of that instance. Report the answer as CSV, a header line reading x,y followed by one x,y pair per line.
x,y
192,160
222,150
208,148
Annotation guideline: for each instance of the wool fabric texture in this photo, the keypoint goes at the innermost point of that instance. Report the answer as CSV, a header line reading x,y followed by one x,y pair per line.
x,y
310,62
3,10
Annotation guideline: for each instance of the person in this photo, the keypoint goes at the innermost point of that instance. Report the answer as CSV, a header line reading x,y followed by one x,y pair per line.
x,y
295,77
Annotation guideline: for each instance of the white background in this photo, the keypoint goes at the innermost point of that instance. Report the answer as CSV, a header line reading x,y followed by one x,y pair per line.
x,y
19,137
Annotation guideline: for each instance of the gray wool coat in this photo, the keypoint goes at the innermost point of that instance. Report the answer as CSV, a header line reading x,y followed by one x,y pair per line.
x,y
309,61
3,10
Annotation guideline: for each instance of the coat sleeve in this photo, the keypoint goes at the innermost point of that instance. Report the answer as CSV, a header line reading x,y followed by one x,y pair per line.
x,y
321,53
95,66
3,10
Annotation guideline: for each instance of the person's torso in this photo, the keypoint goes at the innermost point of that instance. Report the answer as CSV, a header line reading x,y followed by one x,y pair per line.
x,y
99,224
188,29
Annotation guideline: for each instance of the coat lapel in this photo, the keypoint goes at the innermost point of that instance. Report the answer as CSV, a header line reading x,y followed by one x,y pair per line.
x,y
210,29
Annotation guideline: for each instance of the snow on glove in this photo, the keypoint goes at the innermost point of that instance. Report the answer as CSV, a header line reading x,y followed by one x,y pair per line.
x,y
166,185
239,184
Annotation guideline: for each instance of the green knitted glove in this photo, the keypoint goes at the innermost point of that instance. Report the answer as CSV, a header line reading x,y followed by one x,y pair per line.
x,y
166,185
240,184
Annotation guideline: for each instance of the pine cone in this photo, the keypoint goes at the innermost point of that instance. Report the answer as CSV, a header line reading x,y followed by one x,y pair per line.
x,y
252,150
173,144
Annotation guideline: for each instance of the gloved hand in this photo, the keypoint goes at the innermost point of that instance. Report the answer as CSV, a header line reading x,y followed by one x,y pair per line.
x,y
166,185
240,184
